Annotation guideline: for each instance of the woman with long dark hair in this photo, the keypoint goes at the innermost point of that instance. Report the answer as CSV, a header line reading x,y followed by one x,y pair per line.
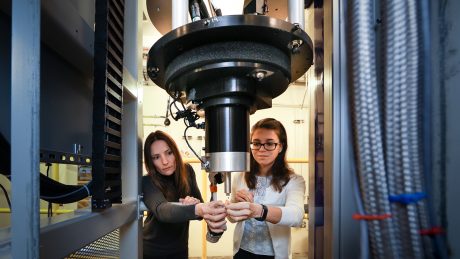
x,y
173,199
269,199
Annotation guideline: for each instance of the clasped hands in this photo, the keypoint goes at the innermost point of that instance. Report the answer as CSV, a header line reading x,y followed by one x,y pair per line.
x,y
216,212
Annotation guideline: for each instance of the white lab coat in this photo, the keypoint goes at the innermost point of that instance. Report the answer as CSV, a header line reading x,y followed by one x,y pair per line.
x,y
291,202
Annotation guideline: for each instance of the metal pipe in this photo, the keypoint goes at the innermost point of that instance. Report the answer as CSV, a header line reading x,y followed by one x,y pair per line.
x,y
179,13
296,9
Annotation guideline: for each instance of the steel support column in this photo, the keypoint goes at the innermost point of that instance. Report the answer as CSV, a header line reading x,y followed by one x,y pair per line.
x,y
25,127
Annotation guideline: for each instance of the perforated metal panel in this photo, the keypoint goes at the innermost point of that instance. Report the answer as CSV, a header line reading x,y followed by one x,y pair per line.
x,y
107,246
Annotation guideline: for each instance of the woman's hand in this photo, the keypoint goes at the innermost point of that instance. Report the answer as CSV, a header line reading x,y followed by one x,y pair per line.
x,y
243,210
244,195
189,200
214,214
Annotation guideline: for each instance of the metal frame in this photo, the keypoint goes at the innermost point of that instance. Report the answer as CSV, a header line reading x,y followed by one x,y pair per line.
x,y
132,124
340,238
25,127
331,128
85,227
25,238
315,209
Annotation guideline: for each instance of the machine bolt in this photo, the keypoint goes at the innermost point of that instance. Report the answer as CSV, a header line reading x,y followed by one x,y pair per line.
x,y
296,27
294,46
153,71
260,75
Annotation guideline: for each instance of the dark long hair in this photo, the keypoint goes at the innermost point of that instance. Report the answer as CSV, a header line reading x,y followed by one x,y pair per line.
x,y
280,171
180,175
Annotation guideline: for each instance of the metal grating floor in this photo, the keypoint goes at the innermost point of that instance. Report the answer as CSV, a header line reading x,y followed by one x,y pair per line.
x,y
106,247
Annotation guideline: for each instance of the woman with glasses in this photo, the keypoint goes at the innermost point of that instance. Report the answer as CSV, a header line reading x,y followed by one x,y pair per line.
x,y
267,201
173,199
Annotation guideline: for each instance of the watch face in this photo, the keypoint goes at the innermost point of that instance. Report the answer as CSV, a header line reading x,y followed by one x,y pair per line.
x,y
214,234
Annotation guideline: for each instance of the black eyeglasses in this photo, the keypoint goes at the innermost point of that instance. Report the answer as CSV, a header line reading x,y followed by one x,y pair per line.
x,y
269,146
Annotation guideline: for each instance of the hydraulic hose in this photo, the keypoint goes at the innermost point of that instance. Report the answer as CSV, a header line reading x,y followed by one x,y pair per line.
x,y
397,161
367,125
402,81
56,192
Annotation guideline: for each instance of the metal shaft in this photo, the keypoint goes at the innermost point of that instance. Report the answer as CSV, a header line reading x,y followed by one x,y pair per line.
x,y
296,12
179,13
227,183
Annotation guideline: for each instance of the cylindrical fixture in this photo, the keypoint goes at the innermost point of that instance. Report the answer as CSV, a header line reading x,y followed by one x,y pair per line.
x,y
296,11
227,138
214,196
179,13
227,183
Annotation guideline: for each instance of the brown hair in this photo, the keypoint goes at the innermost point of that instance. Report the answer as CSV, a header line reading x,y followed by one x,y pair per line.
x,y
180,175
280,170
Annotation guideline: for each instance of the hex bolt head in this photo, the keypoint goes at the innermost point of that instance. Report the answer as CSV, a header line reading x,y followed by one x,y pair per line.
x,y
260,75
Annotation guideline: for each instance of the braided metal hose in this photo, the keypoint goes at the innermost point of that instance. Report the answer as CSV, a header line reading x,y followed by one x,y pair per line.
x,y
392,134
366,123
402,79
395,72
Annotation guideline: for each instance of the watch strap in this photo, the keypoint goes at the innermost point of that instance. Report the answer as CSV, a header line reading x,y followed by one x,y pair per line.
x,y
264,213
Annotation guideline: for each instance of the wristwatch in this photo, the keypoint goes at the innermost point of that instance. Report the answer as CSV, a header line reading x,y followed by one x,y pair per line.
x,y
213,237
264,213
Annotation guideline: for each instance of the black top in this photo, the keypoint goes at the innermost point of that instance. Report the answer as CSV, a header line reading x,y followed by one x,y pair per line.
x,y
166,227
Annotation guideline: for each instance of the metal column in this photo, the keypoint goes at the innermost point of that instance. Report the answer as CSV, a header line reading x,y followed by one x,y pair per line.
x,y
296,12
25,127
131,157
179,13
